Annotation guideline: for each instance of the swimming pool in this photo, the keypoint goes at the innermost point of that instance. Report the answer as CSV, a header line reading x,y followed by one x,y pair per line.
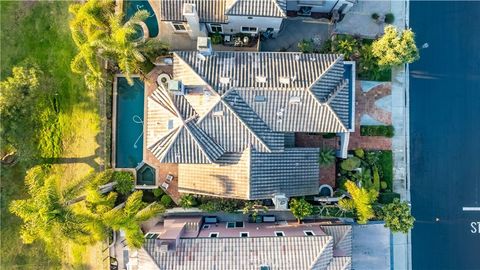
x,y
129,123
132,6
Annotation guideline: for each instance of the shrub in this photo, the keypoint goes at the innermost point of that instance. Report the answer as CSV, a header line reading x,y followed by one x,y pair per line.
x,y
389,18
350,164
306,46
386,131
375,16
216,38
383,185
346,45
124,181
385,166
158,192
328,135
188,201
388,197
359,153
326,157
398,217
361,202
376,179
166,200
217,205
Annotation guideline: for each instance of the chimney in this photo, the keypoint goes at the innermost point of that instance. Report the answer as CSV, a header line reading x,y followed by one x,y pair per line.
x,y
196,29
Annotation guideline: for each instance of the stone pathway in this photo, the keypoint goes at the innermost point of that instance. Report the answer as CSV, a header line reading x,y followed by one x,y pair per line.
x,y
365,105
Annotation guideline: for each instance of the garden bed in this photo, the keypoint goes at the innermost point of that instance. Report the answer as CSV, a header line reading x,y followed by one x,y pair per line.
x,y
385,131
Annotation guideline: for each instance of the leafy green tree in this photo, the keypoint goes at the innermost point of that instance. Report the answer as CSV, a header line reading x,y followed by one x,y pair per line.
x,y
327,157
166,201
129,216
46,215
300,208
19,95
398,217
395,48
124,182
347,45
361,202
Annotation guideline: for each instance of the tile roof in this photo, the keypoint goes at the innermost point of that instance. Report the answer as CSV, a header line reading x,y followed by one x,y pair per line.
x,y
217,11
314,252
261,8
208,10
231,126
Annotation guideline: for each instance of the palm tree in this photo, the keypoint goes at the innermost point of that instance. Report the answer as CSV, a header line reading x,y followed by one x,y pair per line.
x,y
129,216
89,24
361,201
45,214
327,157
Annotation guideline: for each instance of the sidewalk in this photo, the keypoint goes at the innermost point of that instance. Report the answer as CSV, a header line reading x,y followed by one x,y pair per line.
x,y
401,247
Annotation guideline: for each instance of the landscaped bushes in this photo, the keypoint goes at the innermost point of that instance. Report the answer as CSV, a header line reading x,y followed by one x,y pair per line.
x,y
388,197
385,164
386,131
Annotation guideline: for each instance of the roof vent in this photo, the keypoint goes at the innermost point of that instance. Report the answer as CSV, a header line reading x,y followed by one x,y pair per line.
x,y
284,80
295,100
261,79
201,57
313,59
218,113
170,124
260,98
163,247
297,57
224,80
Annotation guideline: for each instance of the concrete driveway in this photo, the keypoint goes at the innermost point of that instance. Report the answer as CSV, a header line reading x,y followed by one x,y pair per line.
x,y
294,30
370,247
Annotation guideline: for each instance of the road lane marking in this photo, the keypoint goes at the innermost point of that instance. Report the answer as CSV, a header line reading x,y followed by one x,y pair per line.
x,y
470,208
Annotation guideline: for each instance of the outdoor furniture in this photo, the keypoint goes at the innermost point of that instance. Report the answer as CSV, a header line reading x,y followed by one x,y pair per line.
x,y
165,185
169,178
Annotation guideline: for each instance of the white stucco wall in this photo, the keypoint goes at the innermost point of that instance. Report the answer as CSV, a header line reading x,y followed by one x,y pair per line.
x,y
235,24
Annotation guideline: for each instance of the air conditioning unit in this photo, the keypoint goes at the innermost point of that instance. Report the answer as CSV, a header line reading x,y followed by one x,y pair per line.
x,y
280,201
204,46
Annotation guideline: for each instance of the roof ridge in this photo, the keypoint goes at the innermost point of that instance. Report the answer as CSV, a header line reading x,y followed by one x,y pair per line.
x,y
195,72
158,95
324,247
279,8
326,70
246,126
173,136
330,110
200,144
340,86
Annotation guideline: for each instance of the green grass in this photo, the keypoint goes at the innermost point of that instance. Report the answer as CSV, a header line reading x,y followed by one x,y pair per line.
x,y
39,31
385,162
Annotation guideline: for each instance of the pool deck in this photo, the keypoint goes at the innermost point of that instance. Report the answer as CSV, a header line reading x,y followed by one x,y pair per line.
x,y
161,169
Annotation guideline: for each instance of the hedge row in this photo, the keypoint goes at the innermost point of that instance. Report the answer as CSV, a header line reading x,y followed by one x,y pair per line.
x,y
386,131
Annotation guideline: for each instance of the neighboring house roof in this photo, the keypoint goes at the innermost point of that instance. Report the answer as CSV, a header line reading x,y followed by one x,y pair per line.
x,y
217,11
314,252
208,10
260,8
230,129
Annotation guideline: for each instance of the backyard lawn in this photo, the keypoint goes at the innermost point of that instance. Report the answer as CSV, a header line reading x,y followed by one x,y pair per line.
x,y
38,31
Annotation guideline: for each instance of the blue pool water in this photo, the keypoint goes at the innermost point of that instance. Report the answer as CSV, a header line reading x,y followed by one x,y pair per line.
x,y
129,131
132,6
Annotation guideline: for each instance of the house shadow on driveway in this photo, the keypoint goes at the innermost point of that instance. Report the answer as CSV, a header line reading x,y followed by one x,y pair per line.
x,y
293,31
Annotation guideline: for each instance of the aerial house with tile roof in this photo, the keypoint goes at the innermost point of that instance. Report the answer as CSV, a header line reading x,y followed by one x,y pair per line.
x,y
229,120
228,17
187,243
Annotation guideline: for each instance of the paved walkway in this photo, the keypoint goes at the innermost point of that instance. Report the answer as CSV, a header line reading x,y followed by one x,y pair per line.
x,y
294,31
361,14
